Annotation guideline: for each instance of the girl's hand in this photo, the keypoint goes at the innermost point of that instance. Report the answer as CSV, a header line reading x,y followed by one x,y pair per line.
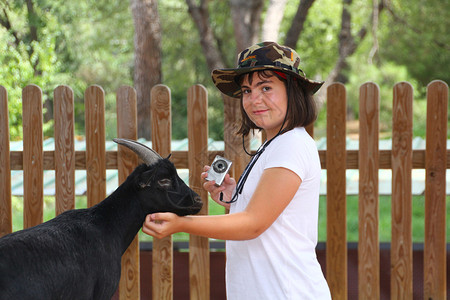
x,y
227,188
160,225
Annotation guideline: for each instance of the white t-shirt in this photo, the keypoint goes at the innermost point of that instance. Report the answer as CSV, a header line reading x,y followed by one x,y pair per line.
x,y
281,263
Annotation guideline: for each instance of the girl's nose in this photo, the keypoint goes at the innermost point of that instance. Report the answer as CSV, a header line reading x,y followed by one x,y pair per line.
x,y
256,96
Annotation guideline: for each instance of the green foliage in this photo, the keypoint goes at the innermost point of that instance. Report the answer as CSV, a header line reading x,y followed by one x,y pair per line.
x,y
184,63
385,76
24,64
81,43
416,36
319,40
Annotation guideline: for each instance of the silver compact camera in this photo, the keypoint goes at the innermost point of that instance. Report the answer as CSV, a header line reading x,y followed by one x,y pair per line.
x,y
219,168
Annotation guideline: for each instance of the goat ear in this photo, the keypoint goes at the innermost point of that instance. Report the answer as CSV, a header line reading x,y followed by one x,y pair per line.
x,y
149,156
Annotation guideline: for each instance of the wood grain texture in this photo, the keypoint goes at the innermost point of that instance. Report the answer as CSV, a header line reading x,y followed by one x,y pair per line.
x,y
95,145
126,106
33,170
162,256
368,242
233,143
161,104
64,149
5,167
435,160
401,211
336,254
435,202
197,157
180,159
129,285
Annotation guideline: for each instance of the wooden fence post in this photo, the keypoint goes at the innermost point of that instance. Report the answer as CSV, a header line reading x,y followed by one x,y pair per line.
x,y
64,149
162,256
95,144
33,156
435,203
127,161
368,241
233,143
336,159
5,167
401,211
336,252
199,260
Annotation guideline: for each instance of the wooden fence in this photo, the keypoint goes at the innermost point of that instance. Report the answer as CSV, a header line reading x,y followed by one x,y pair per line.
x,y
368,159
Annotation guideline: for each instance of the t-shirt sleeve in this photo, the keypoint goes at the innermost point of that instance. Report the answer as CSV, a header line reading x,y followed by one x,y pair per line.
x,y
295,154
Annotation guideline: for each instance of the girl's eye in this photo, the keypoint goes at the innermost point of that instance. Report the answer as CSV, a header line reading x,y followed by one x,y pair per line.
x,y
246,91
266,88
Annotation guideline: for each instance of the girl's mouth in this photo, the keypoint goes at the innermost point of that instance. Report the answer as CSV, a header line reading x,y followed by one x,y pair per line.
x,y
261,111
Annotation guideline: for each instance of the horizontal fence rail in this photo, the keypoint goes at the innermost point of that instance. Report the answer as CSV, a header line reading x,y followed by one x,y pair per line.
x,y
401,159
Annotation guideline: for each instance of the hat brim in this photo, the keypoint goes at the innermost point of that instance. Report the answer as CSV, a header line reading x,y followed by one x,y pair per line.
x,y
225,79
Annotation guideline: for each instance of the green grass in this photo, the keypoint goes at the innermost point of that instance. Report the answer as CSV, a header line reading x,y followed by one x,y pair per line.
x,y
418,218
418,211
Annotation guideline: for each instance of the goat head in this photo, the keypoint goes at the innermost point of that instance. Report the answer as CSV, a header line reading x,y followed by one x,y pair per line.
x,y
159,178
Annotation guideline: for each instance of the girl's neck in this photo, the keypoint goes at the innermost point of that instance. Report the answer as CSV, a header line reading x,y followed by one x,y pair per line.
x,y
270,134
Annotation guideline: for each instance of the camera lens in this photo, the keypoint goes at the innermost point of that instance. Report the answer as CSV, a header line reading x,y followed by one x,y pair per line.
x,y
220,166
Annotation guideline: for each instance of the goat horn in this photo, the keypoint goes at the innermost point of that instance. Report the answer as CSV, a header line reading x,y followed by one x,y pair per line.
x,y
148,155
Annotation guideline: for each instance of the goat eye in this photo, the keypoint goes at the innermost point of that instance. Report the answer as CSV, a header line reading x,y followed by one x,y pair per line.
x,y
165,183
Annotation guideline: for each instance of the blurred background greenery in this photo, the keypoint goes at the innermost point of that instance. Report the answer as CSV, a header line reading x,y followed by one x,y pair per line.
x,y
86,42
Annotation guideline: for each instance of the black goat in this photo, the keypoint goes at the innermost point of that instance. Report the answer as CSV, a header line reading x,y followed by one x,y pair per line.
x,y
77,255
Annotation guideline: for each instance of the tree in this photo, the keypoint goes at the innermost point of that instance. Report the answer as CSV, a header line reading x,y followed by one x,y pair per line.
x,y
246,16
298,22
147,67
28,56
28,36
200,16
79,43
416,36
272,21
348,43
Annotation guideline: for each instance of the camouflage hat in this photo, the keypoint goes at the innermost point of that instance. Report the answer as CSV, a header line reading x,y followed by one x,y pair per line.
x,y
262,56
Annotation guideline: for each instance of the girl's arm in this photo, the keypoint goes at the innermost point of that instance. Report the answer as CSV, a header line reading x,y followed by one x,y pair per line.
x,y
276,188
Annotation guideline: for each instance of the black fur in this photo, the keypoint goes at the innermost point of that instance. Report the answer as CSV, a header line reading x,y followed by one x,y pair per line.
x,y
77,255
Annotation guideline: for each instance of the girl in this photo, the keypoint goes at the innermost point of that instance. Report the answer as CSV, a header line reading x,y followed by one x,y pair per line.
x,y
271,230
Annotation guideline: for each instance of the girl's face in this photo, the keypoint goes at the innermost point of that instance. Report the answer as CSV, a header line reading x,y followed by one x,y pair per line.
x,y
265,102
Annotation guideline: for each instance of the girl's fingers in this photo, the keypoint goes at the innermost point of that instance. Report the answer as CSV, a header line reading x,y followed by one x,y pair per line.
x,y
154,224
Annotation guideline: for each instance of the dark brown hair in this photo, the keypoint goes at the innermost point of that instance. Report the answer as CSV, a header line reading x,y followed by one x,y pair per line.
x,y
301,108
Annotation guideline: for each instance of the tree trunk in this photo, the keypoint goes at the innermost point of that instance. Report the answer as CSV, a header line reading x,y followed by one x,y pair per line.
x,y
246,16
147,69
296,28
200,16
272,21
347,46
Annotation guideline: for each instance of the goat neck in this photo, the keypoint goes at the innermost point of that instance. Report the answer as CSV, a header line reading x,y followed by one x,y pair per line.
x,y
120,215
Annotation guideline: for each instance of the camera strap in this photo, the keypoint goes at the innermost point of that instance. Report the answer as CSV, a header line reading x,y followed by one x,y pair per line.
x,y
248,168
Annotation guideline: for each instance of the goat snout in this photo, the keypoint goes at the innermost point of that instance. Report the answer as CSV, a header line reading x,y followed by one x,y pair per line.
x,y
196,205
197,201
